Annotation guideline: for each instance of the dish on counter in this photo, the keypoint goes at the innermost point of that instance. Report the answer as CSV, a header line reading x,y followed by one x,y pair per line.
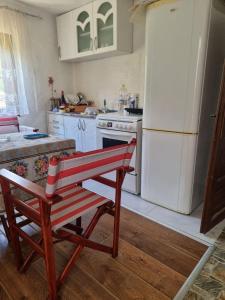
x,y
35,136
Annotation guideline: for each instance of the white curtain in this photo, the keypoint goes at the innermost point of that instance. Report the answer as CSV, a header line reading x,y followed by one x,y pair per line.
x,y
17,79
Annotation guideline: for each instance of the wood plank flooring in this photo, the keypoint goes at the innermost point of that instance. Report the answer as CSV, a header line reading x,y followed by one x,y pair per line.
x,y
153,264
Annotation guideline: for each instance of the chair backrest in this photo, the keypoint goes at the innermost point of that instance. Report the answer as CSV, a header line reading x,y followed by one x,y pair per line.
x,y
79,167
9,124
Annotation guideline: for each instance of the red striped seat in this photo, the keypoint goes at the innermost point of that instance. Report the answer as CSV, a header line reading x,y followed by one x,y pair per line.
x,y
76,201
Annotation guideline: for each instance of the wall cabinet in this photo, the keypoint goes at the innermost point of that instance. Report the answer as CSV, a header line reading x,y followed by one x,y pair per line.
x,y
66,39
82,130
99,29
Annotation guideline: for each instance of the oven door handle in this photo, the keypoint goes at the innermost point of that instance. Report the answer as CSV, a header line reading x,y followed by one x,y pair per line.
x,y
116,134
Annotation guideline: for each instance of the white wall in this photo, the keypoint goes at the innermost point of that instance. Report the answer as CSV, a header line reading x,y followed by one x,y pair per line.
x,y
46,63
102,79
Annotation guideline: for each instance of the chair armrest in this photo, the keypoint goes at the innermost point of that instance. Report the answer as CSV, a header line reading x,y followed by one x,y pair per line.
x,y
26,185
110,182
105,181
128,169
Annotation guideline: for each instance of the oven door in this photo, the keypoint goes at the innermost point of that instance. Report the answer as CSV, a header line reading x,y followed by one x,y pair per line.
x,y
108,138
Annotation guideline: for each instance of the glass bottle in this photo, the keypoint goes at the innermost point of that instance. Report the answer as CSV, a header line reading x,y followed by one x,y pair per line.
x,y
63,100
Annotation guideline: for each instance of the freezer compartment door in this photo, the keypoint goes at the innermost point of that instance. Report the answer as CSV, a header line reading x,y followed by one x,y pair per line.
x,y
168,161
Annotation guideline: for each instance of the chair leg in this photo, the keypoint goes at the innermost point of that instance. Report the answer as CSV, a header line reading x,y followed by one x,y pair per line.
x,y
49,254
11,218
78,223
119,181
50,267
5,226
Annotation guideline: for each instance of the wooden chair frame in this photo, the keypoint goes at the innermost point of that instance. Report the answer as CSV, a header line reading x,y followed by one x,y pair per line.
x,y
44,246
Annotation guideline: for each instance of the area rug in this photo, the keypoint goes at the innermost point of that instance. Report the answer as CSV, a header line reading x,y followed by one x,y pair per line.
x,y
210,283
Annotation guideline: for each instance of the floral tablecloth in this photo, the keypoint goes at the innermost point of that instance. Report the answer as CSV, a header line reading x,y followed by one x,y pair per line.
x,y
29,158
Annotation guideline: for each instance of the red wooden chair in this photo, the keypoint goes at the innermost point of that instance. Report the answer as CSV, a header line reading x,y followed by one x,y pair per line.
x,y
63,201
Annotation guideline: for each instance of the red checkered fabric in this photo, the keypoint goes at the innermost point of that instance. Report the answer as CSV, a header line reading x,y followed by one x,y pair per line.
x,y
76,201
8,124
7,120
80,167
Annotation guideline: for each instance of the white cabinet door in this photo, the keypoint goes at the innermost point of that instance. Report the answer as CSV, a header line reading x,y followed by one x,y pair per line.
x,y
55,125
105,25
66,37
89,134
72,128
83,30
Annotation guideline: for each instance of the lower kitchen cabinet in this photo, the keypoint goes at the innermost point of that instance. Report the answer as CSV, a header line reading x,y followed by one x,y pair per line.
x,y
82,130
56,125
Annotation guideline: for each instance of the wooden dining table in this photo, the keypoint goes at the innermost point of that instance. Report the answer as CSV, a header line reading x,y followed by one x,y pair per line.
x,y
29,157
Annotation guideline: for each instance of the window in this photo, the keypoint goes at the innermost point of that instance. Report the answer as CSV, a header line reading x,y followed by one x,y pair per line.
x,y
8,89
18,94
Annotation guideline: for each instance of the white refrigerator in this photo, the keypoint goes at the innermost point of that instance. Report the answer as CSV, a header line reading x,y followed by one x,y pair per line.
x,y
185,50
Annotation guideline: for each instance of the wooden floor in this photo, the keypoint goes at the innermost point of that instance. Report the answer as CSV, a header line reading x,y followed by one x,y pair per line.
x,y
153,263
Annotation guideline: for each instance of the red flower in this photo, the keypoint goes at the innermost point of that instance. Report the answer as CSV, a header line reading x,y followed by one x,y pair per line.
x,y
50,80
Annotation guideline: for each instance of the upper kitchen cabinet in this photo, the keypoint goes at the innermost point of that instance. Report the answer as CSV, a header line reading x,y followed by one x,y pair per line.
x,y
99,29
66,38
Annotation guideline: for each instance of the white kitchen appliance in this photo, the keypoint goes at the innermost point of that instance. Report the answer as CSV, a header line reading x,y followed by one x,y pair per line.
x,y
185,50
116,129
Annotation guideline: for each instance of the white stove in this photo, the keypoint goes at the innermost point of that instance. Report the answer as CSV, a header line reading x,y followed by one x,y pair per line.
x,y
116,129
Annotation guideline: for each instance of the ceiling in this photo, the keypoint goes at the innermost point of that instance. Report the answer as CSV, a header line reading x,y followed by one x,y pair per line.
x,y
56,6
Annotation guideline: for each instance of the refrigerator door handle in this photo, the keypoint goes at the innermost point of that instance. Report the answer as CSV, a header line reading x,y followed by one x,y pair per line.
x,y
213,116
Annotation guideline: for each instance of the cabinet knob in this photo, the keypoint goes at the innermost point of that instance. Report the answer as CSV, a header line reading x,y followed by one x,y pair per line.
x,y
79,125
59,51
96,42
91,44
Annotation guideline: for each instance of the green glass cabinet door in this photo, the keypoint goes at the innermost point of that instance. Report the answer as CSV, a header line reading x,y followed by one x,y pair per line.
x,y
84,32
105,22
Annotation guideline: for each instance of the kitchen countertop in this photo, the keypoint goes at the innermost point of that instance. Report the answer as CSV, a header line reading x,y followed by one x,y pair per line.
x,y
76,115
